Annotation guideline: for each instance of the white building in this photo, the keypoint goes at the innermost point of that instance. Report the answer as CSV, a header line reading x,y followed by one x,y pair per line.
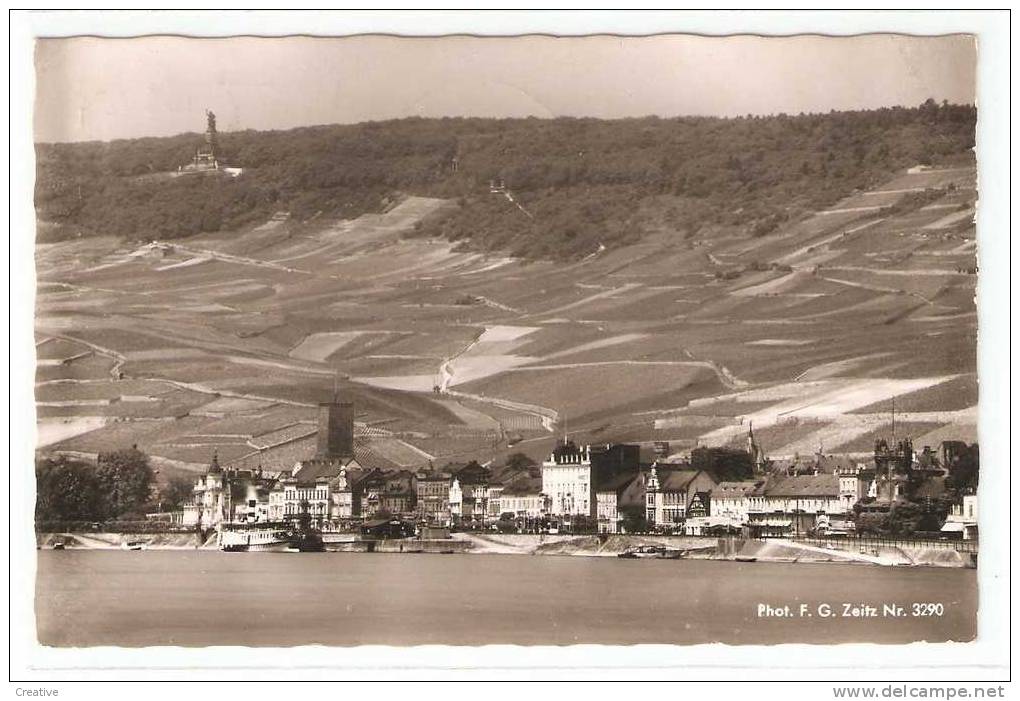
x,y
211,504
797,501
342,496
299,495
525,500
733,499
669,495
963,518
456,500
567,480
608,500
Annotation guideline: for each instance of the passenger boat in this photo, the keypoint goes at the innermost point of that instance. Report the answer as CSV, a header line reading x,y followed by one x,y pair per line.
x,y
651,551
250,538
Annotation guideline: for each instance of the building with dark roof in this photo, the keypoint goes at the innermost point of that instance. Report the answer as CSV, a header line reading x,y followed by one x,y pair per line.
x,y
610,495
801,499
669,493
733,499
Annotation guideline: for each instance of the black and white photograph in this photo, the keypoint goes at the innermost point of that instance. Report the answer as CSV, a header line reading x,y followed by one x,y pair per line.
x,y
370,339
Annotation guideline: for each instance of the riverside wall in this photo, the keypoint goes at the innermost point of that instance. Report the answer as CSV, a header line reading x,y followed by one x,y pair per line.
x,y
731,548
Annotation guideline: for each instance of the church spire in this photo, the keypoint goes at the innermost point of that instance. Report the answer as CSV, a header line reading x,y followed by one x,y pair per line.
x,y
757,457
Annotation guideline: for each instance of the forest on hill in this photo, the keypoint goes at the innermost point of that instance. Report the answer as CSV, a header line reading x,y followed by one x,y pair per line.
x,y
580,183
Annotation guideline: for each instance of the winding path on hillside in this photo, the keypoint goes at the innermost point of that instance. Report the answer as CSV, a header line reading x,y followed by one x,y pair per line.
x,y
726,377
548,417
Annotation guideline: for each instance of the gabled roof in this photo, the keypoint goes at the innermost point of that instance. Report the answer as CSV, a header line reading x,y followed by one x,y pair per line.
x,y
803,486
433,476
617,483
471,473
527,486
677,480
317,468
735,490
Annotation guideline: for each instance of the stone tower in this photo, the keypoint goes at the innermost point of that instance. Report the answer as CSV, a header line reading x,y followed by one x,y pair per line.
x,y
210,133
336,430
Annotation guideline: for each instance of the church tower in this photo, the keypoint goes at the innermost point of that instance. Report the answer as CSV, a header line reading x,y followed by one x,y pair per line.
x,y
757,456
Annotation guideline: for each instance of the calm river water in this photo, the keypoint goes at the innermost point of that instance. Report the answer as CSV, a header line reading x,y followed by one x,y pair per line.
x,y
266,599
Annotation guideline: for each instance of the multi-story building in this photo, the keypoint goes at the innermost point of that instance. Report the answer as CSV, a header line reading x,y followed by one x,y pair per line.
x,y
610,497
524,500
342,494
399,493
469,494
963,518
211,500
433,497
795,502
567,480
733,499
494,505
572,477
224,495
669,493
312,496
455,499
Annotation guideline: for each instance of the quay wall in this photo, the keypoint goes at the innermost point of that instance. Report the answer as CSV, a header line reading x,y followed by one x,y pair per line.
x,y
113,541
733,548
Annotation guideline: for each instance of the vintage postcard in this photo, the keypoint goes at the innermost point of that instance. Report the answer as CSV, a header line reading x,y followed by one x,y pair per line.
x,y
521,340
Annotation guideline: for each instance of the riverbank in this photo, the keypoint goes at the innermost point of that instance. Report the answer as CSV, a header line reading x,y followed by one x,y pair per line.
x,y
476,543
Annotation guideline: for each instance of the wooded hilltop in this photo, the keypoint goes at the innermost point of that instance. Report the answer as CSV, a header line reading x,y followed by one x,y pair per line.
x,y
584,183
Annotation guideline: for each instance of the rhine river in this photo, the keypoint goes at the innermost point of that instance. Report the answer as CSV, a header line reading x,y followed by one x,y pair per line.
x,y
198,598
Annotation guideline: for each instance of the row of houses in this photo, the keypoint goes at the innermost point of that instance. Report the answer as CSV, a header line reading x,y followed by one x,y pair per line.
x,y
599,487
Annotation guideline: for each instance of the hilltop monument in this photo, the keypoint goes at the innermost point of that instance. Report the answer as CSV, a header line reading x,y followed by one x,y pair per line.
x,y
206,159
205,155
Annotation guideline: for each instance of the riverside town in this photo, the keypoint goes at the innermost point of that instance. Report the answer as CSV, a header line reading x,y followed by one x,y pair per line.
x,y
899,505
312,372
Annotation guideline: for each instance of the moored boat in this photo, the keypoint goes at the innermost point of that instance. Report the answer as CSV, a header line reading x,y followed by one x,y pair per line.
x,y
651,552
308,542
251,538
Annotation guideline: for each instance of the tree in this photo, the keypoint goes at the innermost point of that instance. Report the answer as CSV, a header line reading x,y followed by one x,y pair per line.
x,y
68,490
634,520
964,470
519,462
175,493
582,523
125,477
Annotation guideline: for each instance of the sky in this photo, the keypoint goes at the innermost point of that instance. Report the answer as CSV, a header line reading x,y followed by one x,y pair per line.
x,y
90,88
